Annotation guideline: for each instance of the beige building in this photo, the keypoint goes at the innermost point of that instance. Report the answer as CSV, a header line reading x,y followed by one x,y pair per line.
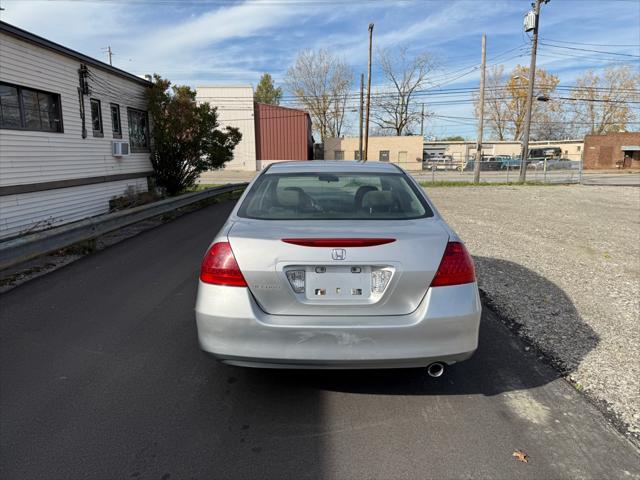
x,y
462,150
403,151
235,109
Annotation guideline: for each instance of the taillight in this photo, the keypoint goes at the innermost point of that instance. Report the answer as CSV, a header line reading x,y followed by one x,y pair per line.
x,y
219,267
455,268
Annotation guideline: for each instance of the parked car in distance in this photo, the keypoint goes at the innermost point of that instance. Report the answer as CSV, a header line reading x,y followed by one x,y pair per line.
x,y
486,164
554,164
509,162
337,265
545,152
440,162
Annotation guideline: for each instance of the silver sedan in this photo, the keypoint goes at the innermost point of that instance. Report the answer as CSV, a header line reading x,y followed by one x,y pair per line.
x,y
337,265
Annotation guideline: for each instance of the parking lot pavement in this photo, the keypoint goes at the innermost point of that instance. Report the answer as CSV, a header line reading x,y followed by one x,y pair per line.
x,y
628,178
102,378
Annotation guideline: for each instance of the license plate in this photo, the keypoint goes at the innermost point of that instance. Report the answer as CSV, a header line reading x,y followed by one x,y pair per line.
x,y
344,282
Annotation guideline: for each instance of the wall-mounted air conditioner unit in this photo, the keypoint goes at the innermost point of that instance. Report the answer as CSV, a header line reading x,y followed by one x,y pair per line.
x,y
119,148
530,21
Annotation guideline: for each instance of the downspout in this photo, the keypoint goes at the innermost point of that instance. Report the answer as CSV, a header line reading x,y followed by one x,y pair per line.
x,y
83,90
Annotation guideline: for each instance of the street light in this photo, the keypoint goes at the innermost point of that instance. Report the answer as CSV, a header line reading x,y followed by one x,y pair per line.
x,y
540,97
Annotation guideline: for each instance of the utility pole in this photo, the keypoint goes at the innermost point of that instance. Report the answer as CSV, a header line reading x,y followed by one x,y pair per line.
x,y
361,115
532,80
476,164
109,53
366,128
422,123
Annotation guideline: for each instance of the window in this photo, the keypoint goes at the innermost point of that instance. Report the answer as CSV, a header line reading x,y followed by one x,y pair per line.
x,y
402,157
579,148
334,196
10,107
116,126
96,117
384,156
338,154
138,130
28,109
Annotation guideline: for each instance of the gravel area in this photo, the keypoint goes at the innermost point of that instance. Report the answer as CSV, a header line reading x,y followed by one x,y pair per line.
x,y
562,265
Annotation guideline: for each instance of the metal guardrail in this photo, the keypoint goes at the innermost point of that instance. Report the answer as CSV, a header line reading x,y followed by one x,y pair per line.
x,y
26,247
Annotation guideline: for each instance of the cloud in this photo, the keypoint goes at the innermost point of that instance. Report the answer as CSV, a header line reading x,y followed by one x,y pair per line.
x,y
223,42
223,24
67,22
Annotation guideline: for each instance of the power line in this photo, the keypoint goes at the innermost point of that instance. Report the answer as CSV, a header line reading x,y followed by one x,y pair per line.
x,y
230,104
591,50
428,92
594,44
560,122
608,60
598,100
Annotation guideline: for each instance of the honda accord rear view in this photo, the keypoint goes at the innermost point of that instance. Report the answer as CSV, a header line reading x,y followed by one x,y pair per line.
x,y
337,265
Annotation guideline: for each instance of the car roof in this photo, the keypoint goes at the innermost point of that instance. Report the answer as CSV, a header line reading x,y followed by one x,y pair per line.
x,y
312,166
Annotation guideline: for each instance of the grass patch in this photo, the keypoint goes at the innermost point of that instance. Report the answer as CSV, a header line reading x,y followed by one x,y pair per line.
x,y
458,183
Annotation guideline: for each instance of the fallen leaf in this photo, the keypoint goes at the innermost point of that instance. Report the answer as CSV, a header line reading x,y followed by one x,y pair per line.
x,y
520,456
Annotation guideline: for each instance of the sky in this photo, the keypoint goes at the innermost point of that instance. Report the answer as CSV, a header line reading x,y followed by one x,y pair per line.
x,y
211,42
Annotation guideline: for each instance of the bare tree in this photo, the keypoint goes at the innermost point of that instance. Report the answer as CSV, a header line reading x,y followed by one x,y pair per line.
x,y
516,93
506,100
495,103
601,102
321,83
397,111
340,84
553,124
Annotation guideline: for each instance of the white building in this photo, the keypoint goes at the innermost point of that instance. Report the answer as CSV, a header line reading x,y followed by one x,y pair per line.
x,y
60,113
235,109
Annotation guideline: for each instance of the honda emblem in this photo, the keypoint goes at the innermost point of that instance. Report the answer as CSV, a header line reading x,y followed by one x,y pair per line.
x,y
338,254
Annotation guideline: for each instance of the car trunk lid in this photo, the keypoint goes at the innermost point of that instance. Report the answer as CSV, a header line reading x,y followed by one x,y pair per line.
x,y
381,267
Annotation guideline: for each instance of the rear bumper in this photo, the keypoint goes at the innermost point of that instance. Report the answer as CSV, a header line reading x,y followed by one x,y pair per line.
x,y
443,328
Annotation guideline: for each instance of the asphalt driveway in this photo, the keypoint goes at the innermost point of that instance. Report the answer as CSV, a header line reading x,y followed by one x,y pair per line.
x,y
101,378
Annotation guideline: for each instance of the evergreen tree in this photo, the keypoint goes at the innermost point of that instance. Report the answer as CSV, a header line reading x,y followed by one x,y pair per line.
x,y
266,92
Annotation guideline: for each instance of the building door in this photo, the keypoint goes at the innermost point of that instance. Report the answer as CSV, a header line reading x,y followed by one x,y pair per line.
x,y
605,158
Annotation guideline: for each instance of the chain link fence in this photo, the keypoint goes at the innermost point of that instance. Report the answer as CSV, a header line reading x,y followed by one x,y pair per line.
x,y
501,169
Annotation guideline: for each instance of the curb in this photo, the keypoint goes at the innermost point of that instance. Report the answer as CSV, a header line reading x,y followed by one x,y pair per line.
x,y
26,247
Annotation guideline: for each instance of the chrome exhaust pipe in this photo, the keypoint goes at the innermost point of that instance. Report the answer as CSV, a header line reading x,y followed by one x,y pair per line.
x,y
436,369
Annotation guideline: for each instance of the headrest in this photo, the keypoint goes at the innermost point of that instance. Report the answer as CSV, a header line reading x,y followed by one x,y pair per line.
x,y
288,198
377,199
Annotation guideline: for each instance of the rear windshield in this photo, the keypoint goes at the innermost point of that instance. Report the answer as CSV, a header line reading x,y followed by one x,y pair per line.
x,y
333,196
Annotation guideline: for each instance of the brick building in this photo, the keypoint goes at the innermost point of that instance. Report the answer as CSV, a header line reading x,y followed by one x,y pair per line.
x,y
614,150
